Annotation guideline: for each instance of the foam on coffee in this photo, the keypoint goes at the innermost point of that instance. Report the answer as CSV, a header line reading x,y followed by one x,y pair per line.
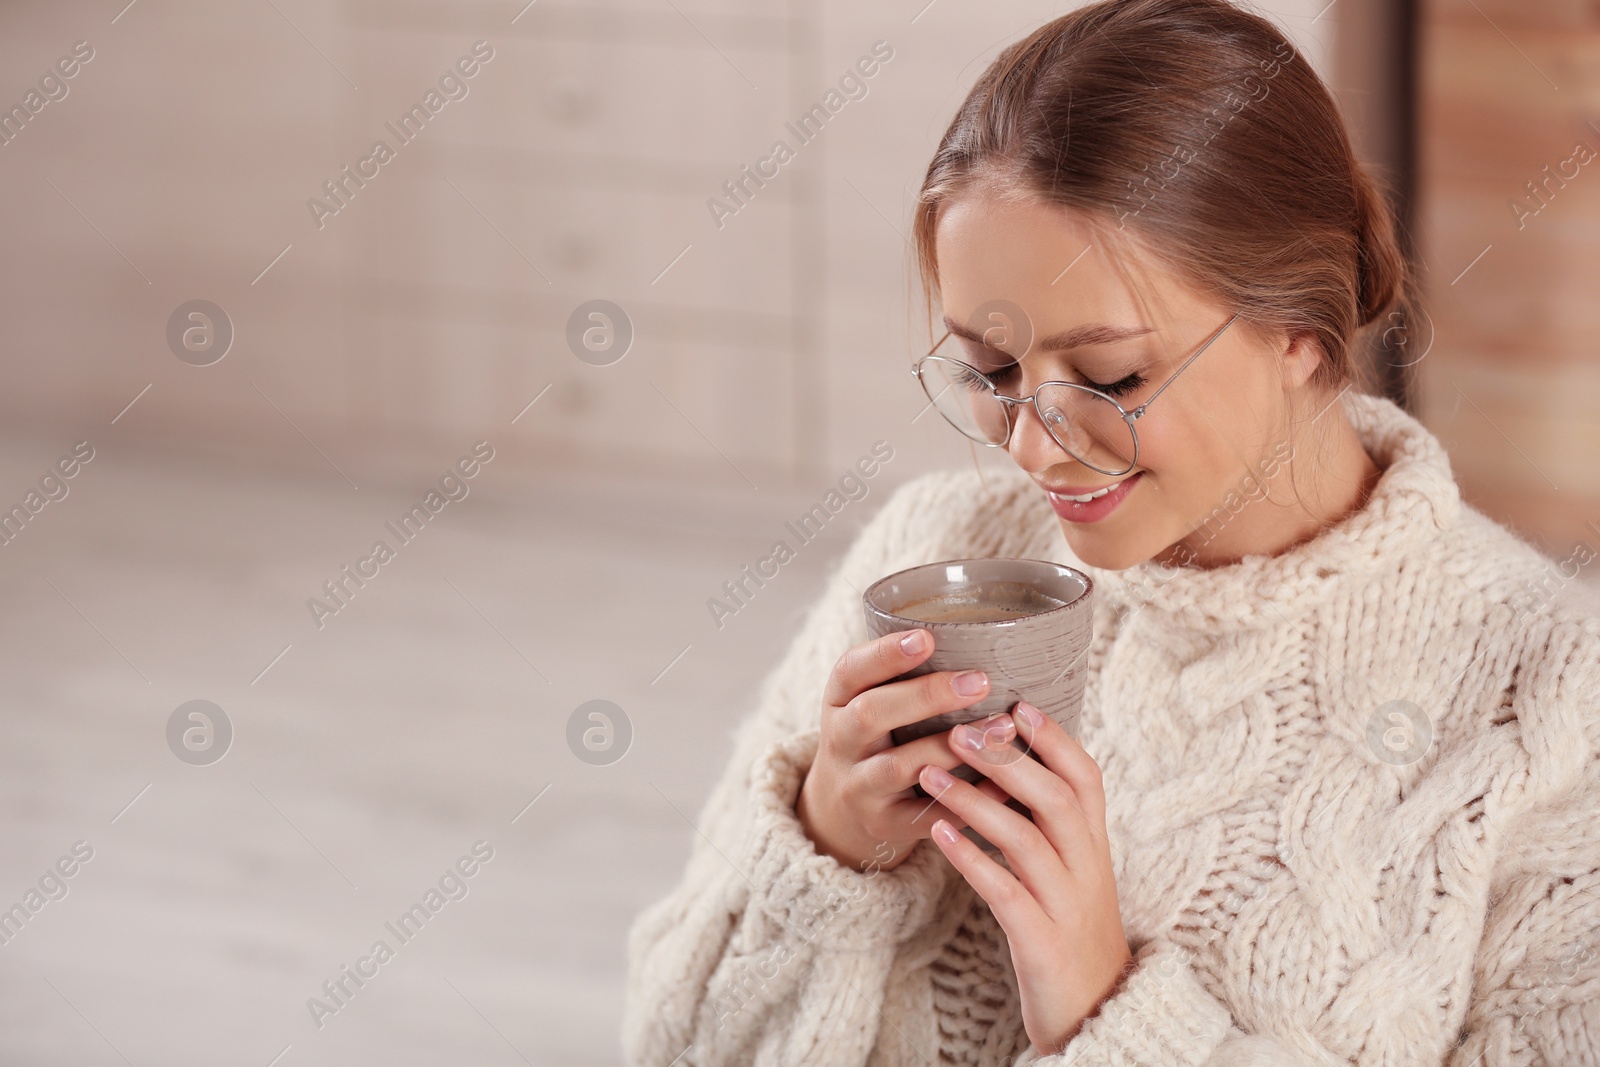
x,y
981,602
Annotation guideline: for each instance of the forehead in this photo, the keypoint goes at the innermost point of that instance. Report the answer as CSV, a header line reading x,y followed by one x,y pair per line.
x,y
1047,260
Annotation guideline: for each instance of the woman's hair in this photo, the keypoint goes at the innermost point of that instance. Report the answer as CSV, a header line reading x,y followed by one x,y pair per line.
x,y
1197,128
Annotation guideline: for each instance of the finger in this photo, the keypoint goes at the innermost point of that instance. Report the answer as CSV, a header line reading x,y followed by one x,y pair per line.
x,y
920,814
1031,856
1062,753
1014,907
895,769
917,816
988,788
874,662
863,726
1056,812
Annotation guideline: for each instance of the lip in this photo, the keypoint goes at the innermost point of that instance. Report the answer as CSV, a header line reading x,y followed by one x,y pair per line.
x,y
1097,509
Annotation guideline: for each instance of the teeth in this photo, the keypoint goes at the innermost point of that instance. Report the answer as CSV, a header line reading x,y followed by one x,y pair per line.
x,y
1096,495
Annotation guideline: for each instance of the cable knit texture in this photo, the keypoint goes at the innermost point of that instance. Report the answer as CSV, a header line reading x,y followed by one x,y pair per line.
x,y
1304,878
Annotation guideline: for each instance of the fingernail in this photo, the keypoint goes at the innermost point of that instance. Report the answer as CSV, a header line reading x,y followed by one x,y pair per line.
x,y
1030,714
998,730
911,643
994,732
944,832
984,735
937,778
970,683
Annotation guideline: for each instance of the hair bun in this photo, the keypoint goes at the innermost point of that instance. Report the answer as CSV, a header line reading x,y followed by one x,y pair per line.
x,y
1380,266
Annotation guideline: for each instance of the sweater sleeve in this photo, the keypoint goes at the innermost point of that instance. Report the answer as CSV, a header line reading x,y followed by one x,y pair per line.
x,y
1161,1016
767,952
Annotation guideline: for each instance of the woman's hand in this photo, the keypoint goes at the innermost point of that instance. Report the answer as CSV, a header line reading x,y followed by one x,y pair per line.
x,y
1058,903
858,793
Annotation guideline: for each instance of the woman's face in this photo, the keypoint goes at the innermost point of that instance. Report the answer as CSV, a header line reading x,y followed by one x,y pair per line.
x,y
1214,431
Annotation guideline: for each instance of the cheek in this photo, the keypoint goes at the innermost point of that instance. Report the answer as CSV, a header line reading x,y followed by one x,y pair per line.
x,y
1191,454
1176,446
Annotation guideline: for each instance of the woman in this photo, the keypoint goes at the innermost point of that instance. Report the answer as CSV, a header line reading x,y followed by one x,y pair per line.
x,y
1334,795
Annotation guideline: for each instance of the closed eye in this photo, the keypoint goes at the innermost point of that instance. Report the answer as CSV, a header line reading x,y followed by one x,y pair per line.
x,y
1121,387
969,379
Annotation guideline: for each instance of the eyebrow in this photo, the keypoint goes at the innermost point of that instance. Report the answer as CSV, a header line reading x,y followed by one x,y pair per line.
x,y
1097,333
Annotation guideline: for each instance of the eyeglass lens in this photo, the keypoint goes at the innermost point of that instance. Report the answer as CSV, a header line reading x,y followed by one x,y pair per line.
x,y
1089,427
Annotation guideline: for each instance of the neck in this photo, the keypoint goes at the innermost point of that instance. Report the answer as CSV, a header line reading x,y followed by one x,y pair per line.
x,y
1305,497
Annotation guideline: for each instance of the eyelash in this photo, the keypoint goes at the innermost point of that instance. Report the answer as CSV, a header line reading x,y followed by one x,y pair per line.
x,y
1117,388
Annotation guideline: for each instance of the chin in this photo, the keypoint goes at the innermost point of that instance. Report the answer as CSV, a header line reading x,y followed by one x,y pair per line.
x,y
1106,553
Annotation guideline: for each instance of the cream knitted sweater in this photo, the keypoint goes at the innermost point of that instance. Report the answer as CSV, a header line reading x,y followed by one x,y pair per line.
x,y
1303,879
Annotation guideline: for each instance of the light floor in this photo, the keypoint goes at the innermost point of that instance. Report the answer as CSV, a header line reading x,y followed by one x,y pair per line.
x,y
423,717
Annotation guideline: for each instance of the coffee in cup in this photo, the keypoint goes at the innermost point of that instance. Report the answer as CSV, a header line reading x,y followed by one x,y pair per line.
x,y
993,601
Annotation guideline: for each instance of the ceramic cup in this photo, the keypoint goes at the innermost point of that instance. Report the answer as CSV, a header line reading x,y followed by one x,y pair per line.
x,y
1038,656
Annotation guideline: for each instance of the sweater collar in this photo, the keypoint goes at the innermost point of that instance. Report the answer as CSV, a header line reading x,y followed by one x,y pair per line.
x,y
1415,497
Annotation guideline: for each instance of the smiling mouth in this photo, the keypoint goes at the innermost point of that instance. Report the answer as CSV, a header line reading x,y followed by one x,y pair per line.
x,y
1084,498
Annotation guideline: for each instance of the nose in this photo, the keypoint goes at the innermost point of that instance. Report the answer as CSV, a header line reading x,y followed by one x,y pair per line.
x,y
1031,446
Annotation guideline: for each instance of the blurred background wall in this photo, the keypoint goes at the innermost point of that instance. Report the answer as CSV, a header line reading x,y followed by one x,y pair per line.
x,y
1509,132
434,304
430,307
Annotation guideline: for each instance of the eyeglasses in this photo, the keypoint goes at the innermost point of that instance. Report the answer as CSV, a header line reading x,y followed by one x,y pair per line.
x,y
1088,424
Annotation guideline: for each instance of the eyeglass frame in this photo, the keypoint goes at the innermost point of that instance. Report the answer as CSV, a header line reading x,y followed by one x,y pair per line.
x,y
1011,402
